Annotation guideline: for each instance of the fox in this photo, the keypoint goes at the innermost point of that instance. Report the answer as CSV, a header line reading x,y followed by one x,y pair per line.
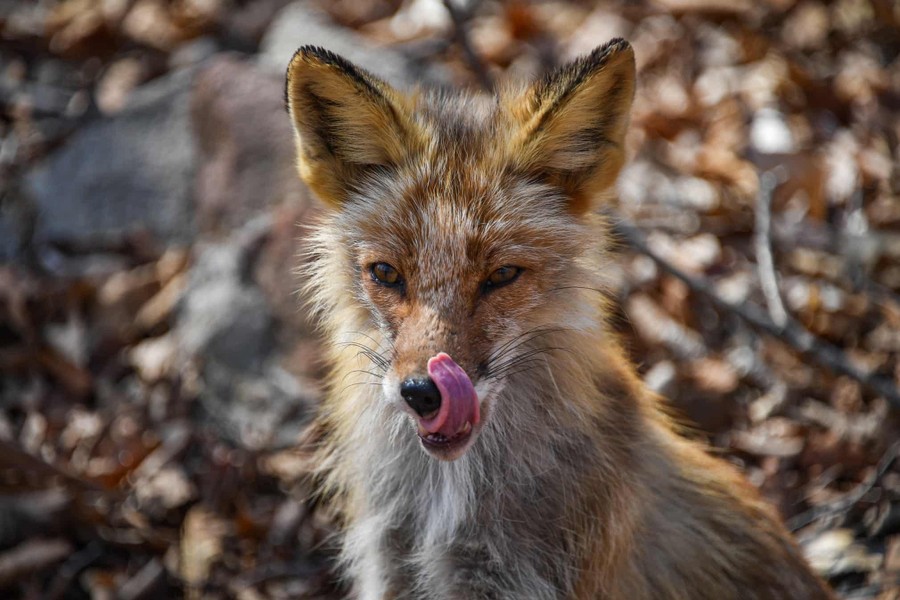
x,y
484,434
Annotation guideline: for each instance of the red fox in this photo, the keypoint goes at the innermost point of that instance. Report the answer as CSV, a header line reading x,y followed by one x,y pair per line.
x,y
484,434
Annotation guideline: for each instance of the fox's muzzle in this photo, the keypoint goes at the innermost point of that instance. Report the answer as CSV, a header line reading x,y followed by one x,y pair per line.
x,y
446,405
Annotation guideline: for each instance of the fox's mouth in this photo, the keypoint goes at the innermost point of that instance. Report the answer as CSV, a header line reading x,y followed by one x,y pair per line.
x,y
450,448
447,432
439,439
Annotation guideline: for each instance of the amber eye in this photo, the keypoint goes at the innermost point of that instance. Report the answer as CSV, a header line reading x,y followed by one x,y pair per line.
x,y
385,274
502,276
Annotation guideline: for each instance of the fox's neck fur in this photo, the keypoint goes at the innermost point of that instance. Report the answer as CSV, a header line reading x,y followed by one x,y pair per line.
x,y
605,502
574,484
551,488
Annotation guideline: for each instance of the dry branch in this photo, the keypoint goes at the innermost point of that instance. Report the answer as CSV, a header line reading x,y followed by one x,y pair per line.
x,y
30,557
762,240
792,333
848,500
461,34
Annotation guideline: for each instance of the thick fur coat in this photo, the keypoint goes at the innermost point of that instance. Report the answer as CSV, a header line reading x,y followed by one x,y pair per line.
x,y
575,483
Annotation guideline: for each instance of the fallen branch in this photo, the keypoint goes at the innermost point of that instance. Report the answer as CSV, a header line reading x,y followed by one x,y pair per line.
x,y
40,474
848,500
142,583
462,38
792,333
762,241
867,592
31,556
71,568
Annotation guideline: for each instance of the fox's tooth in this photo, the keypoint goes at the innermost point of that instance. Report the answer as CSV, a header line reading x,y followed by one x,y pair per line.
x,y
464,429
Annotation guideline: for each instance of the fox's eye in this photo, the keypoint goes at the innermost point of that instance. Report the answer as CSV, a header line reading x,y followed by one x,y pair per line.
x,y
385,274
502,276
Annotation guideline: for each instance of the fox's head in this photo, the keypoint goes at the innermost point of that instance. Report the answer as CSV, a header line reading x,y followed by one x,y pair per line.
x,y
460,242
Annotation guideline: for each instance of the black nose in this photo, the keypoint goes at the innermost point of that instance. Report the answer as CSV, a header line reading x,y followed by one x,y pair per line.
x,y
421,394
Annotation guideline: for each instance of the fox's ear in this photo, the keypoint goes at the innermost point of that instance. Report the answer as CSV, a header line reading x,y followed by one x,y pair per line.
x,y
572,123
346,121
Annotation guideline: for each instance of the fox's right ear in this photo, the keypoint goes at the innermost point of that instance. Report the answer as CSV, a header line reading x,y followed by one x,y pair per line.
x,y
346,122
572,123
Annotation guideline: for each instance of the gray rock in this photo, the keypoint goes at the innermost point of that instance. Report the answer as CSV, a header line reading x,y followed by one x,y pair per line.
x,y
298,24
223,316
16,222
263,410
245,144
123,174
246,166
193,52
11,239
226,328
286,249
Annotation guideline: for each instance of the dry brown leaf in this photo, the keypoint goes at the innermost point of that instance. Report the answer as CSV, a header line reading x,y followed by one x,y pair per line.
x,y
655,326
776,437
714,7
713,375
835,552
202,539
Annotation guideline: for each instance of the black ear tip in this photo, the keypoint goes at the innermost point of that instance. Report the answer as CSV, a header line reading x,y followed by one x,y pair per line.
x,y
313,56
618,43
614,47
321,56
309,60
316,53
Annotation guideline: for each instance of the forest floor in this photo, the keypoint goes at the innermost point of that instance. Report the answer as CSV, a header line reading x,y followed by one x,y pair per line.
x,y
157,367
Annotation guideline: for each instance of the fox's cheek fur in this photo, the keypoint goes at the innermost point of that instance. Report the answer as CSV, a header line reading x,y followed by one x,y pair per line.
x,y
492,333
466,323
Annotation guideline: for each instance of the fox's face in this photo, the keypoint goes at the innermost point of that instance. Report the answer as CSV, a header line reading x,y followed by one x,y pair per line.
x,y
460,229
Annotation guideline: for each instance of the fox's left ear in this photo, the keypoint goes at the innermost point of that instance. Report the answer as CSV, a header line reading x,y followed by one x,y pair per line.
x,y
346,120
572,123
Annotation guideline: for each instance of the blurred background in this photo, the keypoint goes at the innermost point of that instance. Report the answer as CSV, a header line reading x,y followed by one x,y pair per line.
x,y
157,366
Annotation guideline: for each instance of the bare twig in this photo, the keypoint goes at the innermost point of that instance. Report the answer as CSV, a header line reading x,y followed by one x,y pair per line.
x,y
762,239
39,473
848,500
461,35
867,592
792,332
143,583
74,564
30,557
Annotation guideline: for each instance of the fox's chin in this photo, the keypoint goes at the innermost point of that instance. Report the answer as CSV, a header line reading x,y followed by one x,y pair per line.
x,y
450,449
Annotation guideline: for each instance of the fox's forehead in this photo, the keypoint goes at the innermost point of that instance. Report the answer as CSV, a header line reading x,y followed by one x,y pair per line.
x,y
458,202
454,219
457,122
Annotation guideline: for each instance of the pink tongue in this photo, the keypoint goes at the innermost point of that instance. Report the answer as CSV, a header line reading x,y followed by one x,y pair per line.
x,y
459,402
